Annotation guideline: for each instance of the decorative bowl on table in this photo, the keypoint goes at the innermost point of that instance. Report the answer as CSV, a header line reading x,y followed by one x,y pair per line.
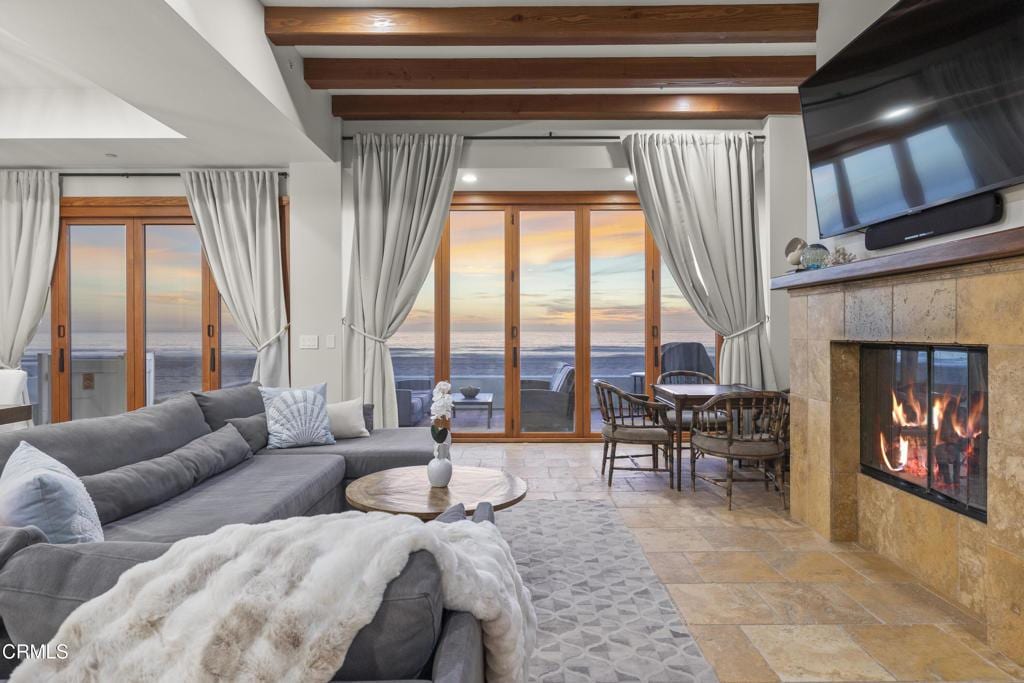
x,y
469,392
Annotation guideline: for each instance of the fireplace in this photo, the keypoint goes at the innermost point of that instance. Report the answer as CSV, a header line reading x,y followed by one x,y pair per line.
x,y
924,422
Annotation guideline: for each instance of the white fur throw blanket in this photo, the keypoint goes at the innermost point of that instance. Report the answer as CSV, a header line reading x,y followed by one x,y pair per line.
x,y
283,601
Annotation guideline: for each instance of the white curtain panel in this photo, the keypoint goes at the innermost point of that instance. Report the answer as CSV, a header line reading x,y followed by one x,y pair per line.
x,y
403,190
697,193
29,226
236,213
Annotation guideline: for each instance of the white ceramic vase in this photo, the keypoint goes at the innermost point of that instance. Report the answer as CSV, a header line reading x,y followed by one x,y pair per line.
x,y
439,470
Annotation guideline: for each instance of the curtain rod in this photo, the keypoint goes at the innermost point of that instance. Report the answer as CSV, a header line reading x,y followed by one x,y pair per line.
x,y
132,175
616,138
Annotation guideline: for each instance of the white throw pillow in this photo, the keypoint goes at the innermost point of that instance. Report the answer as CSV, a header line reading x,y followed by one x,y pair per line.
x,y
36,490
347,419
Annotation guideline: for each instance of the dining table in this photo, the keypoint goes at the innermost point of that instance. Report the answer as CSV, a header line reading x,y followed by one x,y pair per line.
x,y
682,397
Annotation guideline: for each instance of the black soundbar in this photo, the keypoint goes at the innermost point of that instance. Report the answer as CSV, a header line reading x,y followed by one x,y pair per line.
x,y
973,212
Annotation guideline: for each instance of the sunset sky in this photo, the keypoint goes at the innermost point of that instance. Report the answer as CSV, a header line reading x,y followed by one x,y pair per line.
x,y
173,279
547,287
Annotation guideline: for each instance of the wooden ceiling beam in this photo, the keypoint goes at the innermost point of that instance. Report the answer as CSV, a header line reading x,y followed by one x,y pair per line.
x,y
543,25
630,72
564,107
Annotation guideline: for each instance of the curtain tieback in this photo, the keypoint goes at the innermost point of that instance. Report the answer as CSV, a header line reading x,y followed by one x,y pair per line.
x,y
274,338
364,333
742,332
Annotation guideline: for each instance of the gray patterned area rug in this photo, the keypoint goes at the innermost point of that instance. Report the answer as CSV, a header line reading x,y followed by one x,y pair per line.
x,y
603,616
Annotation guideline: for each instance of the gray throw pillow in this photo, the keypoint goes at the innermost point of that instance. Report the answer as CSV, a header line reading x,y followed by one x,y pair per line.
x,y
297,417
220,405
126,490
253,429
368,416
36,490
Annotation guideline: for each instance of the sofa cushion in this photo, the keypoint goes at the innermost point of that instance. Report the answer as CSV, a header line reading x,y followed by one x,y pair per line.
x,y
400,641
99,444
126,490
382,450
260,489
220,405
42,584
36,490
253,429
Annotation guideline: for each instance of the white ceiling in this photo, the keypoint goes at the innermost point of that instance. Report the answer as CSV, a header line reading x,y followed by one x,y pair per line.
x,y
145,55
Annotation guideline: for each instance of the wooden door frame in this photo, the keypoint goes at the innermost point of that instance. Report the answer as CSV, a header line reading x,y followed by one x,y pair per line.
x,y
582,203
135,213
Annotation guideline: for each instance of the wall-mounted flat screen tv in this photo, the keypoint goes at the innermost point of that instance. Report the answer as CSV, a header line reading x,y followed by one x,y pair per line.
x,y
923,108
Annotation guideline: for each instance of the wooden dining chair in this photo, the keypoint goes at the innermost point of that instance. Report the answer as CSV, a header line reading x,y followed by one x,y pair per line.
x,y
633,419
755,428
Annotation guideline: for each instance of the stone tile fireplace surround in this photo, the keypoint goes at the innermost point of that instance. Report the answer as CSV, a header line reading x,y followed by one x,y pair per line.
x,y
968,294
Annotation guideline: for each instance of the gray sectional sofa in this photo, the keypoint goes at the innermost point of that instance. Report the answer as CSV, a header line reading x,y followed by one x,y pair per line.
x,y
411,638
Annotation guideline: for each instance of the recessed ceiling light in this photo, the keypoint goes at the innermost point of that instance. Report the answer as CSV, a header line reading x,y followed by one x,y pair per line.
x,y
897,113
469,177
383,22
629,178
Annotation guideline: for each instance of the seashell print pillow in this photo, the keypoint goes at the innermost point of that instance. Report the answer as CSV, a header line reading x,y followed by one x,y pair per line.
x,y
297,417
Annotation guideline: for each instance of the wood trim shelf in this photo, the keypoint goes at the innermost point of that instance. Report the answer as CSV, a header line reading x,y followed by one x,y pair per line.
x,y
990,247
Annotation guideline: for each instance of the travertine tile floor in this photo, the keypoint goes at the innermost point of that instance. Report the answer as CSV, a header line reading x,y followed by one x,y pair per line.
x,y
766,598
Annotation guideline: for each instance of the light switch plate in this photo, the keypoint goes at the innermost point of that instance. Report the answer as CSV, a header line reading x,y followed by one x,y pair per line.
x,y
309,341
330,341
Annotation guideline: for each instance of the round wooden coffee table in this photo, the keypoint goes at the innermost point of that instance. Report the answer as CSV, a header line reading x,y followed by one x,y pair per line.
x,y
406,491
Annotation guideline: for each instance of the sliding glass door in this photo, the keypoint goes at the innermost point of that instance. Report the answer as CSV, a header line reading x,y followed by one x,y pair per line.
x,y
174,311
546,337
618,334
477,320
134,314
534,295
97,360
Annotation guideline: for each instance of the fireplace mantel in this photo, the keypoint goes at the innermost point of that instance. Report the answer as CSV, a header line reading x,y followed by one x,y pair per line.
x,y
990,247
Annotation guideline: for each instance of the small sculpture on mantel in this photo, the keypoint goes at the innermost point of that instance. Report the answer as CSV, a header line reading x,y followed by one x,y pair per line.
x,y
794,249
841,256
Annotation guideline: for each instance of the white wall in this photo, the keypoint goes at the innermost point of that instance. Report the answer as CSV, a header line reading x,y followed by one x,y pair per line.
x,y
318,272
786,170
840,21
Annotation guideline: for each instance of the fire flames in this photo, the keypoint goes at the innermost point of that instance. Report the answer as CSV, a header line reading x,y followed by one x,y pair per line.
x,y
951,430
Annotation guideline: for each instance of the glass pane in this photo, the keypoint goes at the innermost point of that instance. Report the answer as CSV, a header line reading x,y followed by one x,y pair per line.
x,y
547,312
687,343
959,429
36,362
98,285
237,355
174,311
477,321
616,302
412,354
